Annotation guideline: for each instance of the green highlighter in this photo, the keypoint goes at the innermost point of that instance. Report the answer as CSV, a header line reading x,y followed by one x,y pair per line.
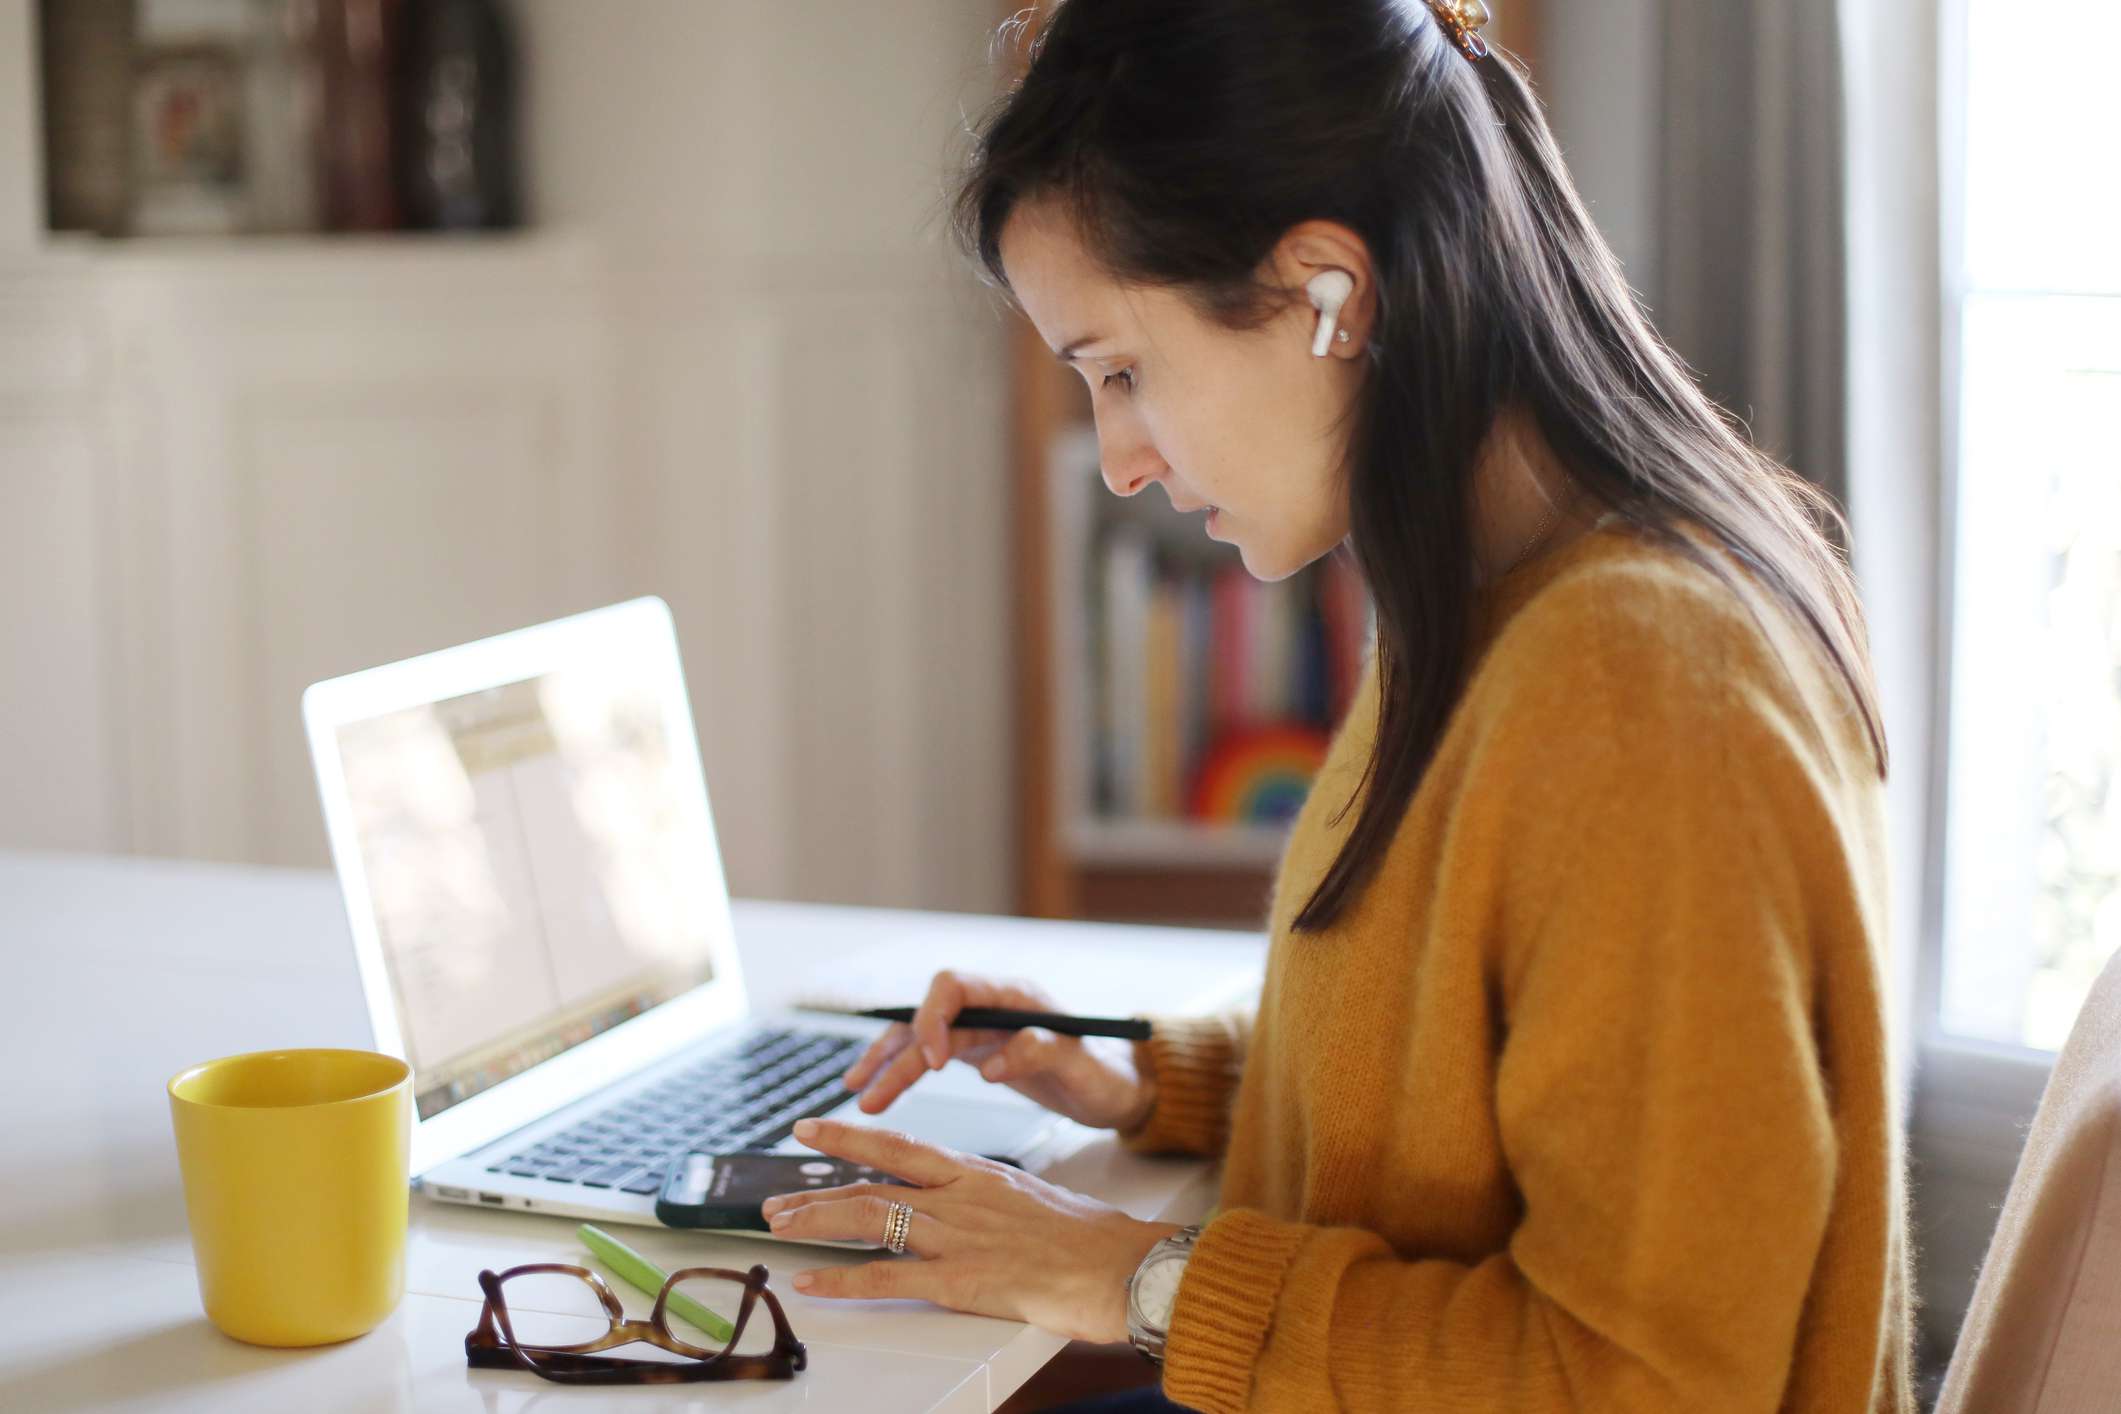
x,y
643,1275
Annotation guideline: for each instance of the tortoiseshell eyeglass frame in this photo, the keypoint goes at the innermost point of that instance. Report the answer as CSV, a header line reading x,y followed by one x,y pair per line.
x,y
491,1345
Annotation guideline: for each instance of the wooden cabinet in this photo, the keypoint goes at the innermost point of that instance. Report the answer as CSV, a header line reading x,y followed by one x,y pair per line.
x,y
331,456
229,470
225,474
61,742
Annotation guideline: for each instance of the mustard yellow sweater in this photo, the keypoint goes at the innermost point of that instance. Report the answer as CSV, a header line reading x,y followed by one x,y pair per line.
x,y
1584,1103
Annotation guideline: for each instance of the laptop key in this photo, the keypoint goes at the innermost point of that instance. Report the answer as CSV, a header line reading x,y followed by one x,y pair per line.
x,y
609,1174
571,1170
783,1124
646,1183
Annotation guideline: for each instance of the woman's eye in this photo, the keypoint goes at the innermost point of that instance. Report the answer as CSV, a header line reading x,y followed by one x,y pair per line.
x,y
1126,373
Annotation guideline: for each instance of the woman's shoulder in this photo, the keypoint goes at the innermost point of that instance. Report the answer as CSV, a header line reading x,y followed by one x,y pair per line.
x,y
1628,626
1623,599
1622,589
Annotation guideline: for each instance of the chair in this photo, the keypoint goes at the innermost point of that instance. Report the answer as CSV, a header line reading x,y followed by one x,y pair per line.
x,y
2043,1332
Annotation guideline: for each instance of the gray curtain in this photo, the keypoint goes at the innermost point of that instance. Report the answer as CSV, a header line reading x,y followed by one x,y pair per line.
x,y
1751,285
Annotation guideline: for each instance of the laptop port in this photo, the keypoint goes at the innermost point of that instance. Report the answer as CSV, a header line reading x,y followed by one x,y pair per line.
x,y
494,1198
460,1194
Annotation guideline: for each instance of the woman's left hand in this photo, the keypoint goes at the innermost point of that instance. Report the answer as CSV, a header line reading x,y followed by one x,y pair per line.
x,y
992,1239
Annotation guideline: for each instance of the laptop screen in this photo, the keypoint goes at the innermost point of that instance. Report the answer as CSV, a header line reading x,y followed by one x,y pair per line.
x,y
533,868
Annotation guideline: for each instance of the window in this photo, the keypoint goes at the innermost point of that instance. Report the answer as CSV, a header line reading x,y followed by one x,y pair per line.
x,y
2032,844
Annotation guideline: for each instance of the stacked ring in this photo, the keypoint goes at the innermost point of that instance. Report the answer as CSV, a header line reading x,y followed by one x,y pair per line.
x,y
896,1223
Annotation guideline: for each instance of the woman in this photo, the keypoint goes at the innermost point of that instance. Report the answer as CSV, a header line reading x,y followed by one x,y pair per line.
x,y
1568,1086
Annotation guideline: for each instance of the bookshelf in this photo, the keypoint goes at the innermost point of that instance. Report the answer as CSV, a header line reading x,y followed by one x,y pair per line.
x,y
1191,702
1113,750
1082,853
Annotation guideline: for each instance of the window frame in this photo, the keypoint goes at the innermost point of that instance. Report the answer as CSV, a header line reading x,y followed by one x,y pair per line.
x,y
1970,1099
2014,1064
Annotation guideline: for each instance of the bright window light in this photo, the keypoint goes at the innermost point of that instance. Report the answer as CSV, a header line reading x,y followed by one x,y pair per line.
x,y
2032,886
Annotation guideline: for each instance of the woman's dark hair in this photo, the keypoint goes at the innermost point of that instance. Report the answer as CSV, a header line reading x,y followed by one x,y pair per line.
x,y
1185,137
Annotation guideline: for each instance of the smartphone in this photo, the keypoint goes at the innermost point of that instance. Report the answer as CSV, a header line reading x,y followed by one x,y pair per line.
x,y
725,1190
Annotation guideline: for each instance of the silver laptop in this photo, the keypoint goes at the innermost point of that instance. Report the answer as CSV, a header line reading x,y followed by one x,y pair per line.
x,y
523,838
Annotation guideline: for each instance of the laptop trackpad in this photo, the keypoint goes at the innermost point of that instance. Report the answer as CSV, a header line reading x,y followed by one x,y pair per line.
x,y
970,1126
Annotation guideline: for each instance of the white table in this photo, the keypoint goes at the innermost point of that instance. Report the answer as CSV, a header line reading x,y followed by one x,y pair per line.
x,y
119,972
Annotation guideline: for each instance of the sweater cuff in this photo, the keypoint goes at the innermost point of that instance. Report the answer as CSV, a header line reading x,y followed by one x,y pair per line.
x,y
1226,1301
1193,1063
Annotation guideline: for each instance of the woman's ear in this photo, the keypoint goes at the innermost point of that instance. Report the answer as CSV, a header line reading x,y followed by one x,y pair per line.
x,y
1311,248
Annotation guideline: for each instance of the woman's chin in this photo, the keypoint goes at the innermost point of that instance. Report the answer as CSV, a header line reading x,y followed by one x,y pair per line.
x,y
1263,564
1271,564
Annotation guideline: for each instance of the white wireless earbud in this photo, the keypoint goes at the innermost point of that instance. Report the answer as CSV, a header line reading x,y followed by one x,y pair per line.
x,y
1329,290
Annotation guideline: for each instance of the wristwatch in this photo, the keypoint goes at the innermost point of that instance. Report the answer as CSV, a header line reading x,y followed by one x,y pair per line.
x,y
1153,1290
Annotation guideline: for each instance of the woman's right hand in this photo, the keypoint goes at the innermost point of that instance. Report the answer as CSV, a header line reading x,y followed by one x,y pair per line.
x,y
1090,1079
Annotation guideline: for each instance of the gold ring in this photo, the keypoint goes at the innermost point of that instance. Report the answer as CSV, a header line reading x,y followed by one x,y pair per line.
x,y
896,1223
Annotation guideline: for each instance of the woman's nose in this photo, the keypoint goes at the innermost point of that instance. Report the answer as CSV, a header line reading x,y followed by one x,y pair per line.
x,y
1129,469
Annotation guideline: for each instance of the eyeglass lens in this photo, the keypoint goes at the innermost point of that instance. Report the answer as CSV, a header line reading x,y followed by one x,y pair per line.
x,y
560,1310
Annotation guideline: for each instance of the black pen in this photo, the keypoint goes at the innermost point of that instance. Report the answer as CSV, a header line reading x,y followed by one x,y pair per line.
x,y
1001,1018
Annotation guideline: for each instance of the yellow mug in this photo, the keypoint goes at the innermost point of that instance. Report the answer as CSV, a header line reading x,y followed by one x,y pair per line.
x,y
295,1186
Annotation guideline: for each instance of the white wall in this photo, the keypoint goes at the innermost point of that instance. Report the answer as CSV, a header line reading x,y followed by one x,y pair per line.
x,y
21,163
1599,77
816,396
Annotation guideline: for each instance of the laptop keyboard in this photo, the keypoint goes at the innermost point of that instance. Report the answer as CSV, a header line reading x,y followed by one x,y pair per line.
x,y
748,1097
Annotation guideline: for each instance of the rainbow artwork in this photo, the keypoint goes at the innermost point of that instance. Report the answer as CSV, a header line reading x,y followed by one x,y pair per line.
x,y
1258,775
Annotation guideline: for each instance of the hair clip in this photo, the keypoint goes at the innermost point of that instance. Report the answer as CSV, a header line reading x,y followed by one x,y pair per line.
x,y
1462,20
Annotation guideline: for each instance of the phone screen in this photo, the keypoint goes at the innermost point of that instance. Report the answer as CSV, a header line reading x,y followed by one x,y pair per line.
x,y
725,1190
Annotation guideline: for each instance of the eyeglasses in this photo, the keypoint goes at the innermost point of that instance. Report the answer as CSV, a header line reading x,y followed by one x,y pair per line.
x,y
541,1318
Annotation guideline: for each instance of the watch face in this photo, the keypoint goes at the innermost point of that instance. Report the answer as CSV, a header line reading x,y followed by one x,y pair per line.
x,y
1156,1289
